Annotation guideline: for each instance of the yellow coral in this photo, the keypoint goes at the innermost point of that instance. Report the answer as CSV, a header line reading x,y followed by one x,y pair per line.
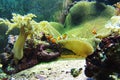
x,y
114,24
27,27
117,5
78,46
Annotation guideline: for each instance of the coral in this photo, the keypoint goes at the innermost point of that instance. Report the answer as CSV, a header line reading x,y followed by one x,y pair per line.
x,y
24,24
83,11
32,55
59,27
49,28
114,23
84,16
77,46
117,6
28,27
105,60
40,39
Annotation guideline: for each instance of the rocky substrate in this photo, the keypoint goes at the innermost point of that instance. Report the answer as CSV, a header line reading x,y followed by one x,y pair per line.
x,y
55,70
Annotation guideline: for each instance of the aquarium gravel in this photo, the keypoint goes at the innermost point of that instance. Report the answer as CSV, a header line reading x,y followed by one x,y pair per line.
x,y
56,70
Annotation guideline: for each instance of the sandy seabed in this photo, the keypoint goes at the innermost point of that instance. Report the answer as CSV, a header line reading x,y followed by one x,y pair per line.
x,y
55,70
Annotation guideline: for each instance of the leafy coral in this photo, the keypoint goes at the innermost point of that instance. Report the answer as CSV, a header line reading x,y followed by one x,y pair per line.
x,y
83,18
74,28
78,46
114,23
89,15
59,27
28,27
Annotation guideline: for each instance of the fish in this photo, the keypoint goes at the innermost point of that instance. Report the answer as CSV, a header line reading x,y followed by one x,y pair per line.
x,y
49,37
59,38
94,31
64,36
53,40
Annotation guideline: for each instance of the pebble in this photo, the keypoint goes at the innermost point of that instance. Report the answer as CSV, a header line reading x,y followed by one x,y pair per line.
x,y
40,77
62,71
12,78
42,72
49,68
22,75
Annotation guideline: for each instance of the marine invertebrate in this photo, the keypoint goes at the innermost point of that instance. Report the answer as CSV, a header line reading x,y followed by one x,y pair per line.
x,y
32,55
31,46
22,22
117,5
86,16
114,23
105,60
77,46
28,27
84,11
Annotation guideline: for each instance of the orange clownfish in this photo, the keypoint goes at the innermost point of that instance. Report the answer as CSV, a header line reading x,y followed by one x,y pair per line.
x,y
49,37
94,31
53,40
64,36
